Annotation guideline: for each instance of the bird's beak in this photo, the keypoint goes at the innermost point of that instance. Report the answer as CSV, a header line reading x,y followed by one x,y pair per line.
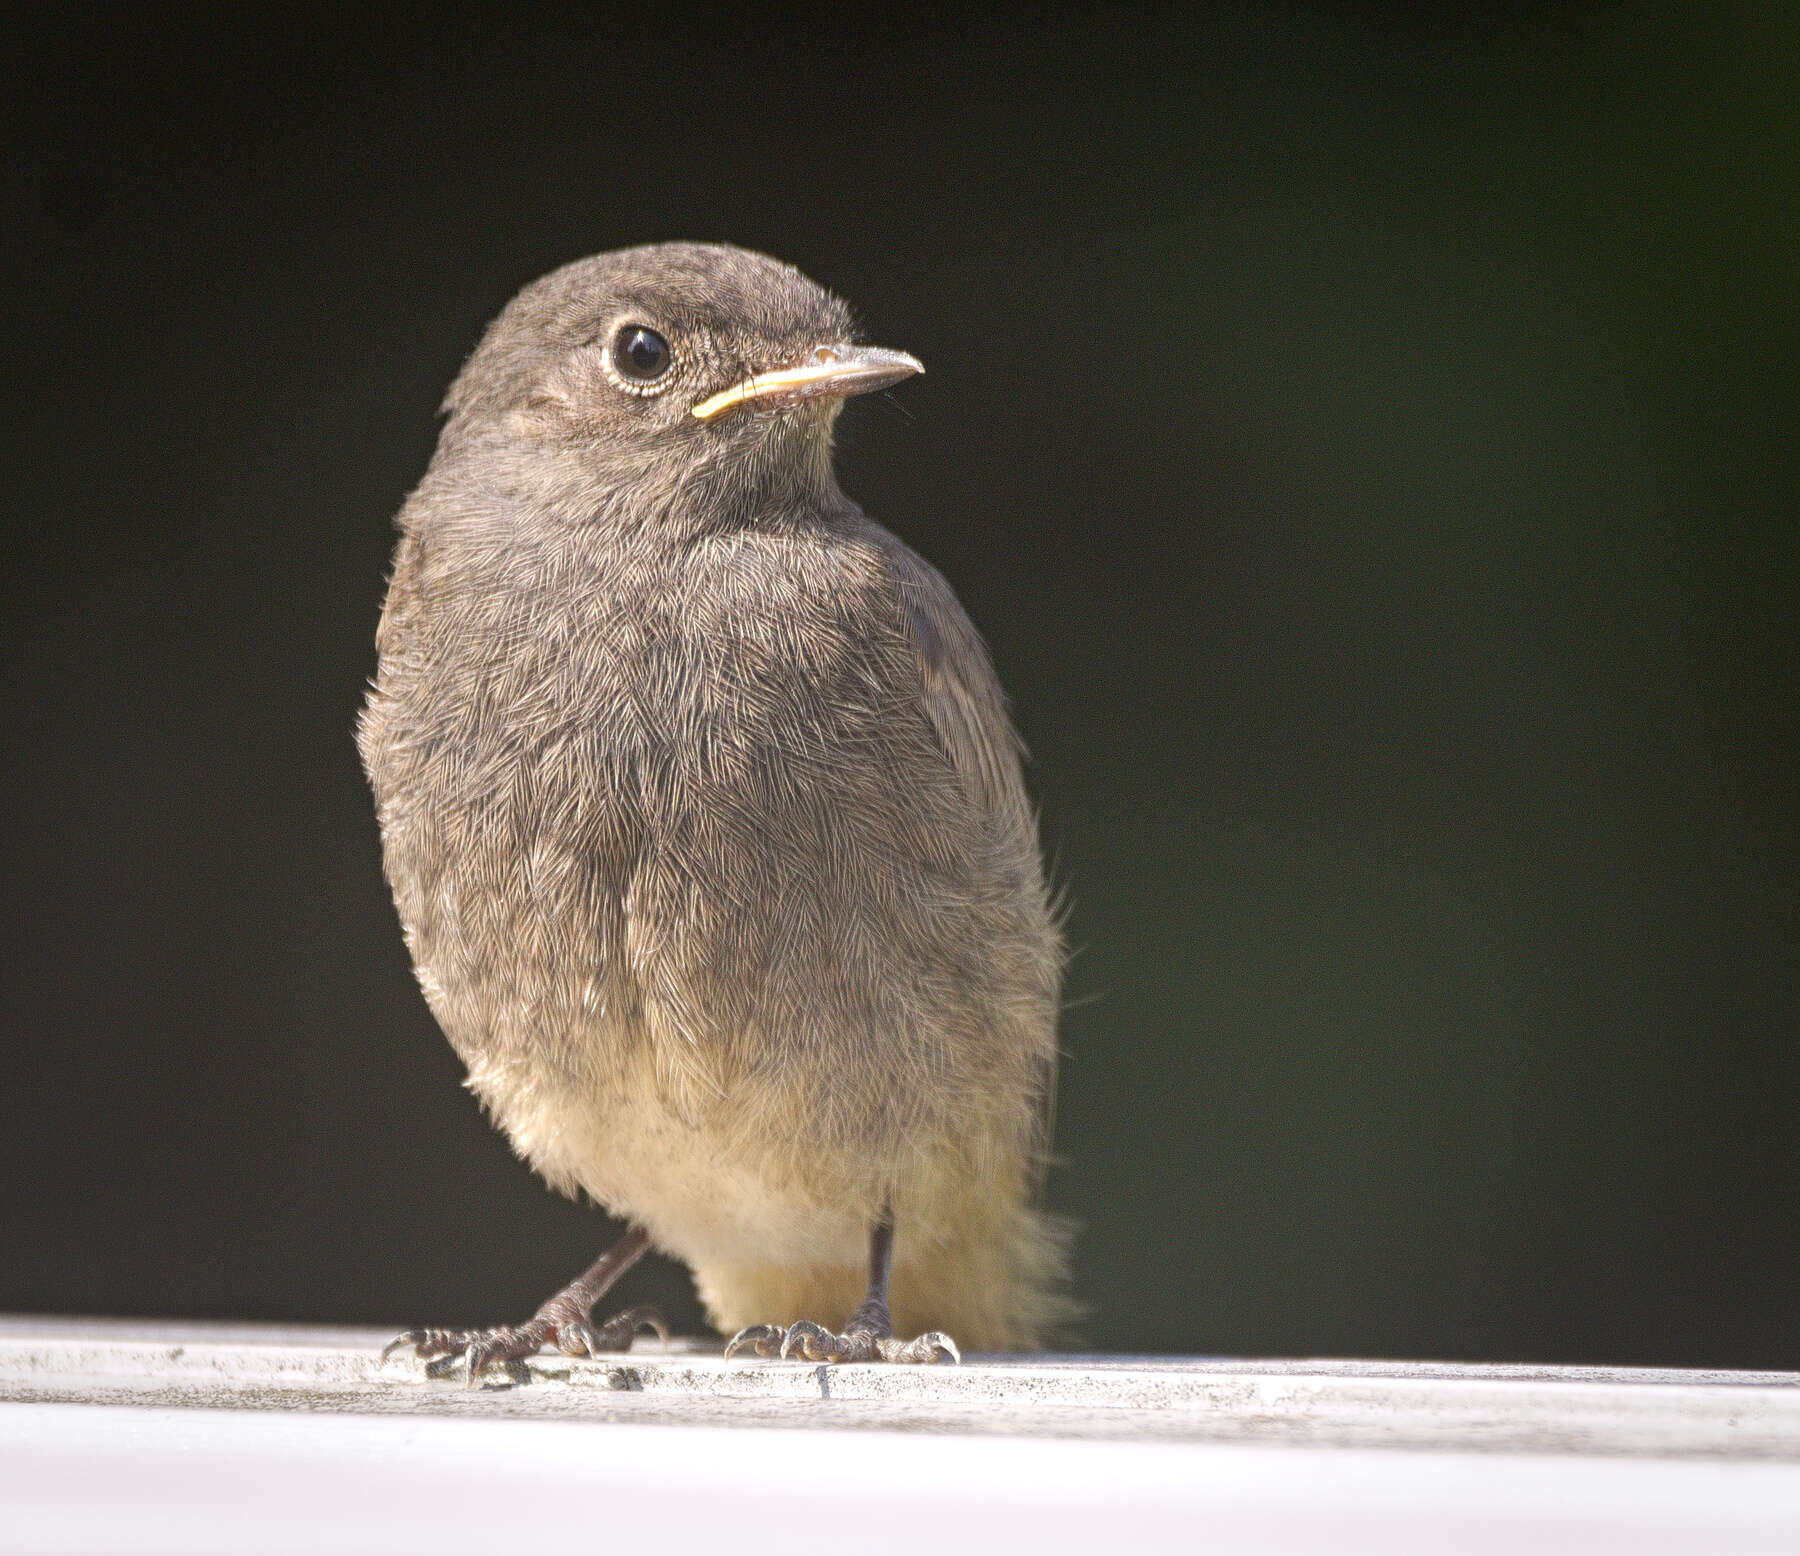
x,y
829,373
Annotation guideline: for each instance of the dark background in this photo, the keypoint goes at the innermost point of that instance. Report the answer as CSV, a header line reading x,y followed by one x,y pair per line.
x,y
1367,440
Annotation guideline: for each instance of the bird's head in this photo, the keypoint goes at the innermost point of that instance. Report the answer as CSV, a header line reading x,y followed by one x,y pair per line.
x,y
648,369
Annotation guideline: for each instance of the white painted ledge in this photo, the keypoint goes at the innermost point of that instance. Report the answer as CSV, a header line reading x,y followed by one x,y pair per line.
x,y
197,1438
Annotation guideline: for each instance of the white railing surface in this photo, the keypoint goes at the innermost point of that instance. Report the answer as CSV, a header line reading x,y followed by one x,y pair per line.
x,y
127,1436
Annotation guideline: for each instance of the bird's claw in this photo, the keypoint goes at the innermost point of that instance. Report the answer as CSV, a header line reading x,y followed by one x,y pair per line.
x,y
932,1346
807,1341
509,1344
505,1343
764,1339
448,1344
413,1337
579,1337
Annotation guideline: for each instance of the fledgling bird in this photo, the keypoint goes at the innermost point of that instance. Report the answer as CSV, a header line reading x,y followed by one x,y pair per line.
x,y
706,826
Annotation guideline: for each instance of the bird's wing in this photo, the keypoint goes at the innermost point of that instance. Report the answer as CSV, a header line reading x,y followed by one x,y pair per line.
x,y
968,713
962,694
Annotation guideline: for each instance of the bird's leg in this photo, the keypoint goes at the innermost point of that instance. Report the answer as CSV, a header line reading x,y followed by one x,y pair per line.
x,y
566,1319
867,1336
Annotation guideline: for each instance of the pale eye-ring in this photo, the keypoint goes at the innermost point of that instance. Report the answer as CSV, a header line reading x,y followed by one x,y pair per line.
x,y
639,355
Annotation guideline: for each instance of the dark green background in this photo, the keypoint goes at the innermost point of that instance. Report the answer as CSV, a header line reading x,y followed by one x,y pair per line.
x,y
1368,441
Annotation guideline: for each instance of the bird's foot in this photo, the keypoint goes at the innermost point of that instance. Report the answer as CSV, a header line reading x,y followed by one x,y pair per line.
x,y
807,1341
562,1321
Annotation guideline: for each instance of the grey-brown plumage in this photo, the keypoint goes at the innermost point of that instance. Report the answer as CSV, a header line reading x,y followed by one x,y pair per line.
x,y
705,819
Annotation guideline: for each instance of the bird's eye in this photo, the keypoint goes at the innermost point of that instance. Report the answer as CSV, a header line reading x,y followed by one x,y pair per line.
x,y
639,354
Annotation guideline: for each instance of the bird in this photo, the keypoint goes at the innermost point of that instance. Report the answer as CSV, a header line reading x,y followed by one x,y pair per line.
x,y
705,820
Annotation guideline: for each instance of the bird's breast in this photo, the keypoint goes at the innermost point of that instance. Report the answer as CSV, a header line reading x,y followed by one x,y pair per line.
x,y
692,805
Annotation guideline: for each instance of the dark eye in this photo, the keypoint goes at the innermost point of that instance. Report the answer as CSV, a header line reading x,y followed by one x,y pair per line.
x,y
639,354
